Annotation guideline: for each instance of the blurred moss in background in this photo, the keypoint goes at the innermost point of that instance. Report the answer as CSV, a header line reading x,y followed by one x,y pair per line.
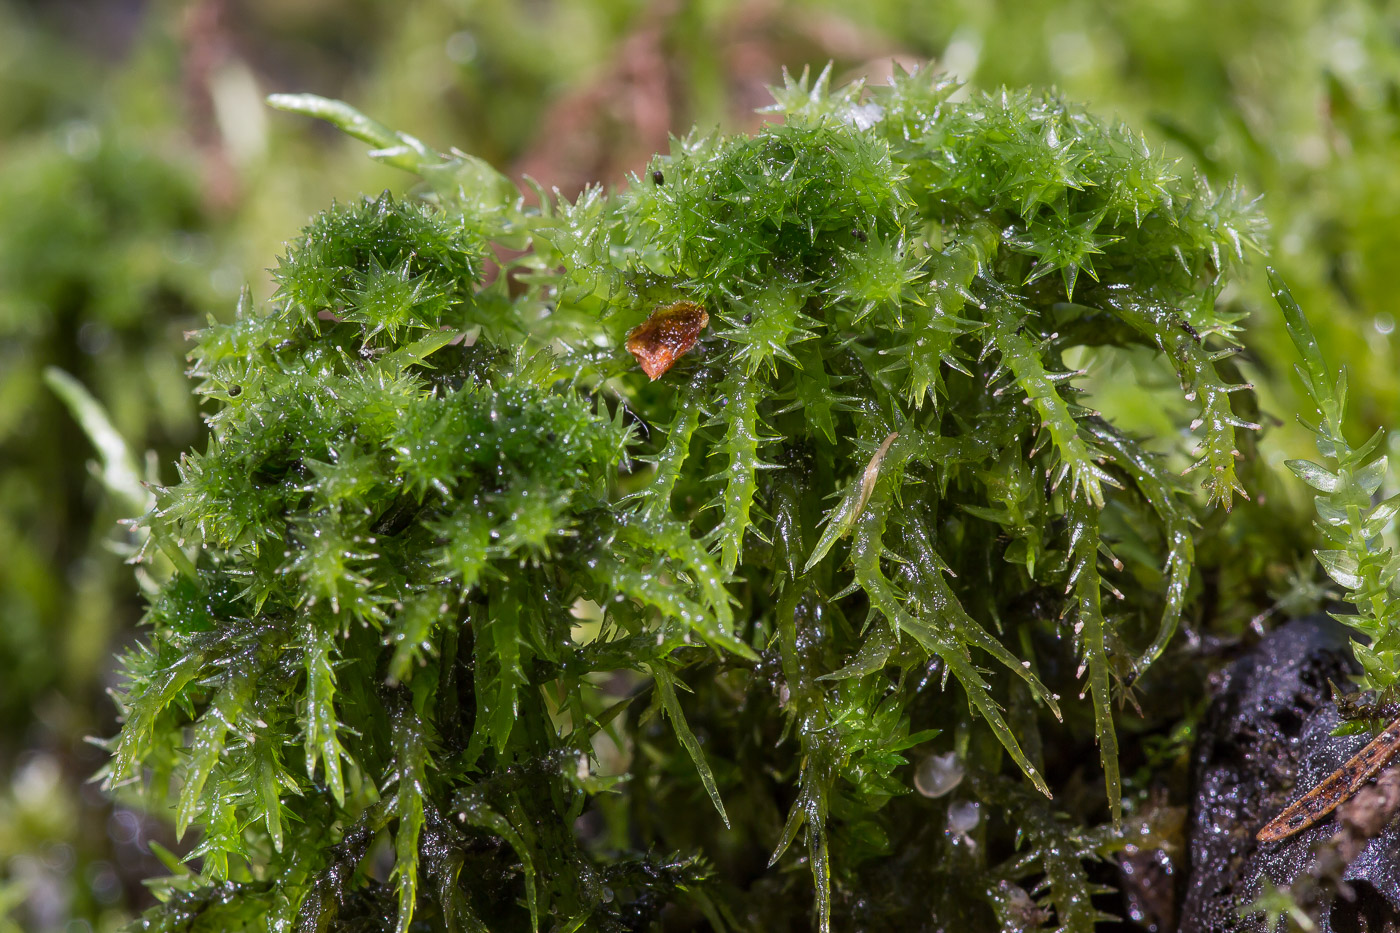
x,y
142,184
105,253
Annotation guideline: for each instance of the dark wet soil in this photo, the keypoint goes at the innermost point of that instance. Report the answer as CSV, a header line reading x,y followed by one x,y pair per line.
x,y
1265,741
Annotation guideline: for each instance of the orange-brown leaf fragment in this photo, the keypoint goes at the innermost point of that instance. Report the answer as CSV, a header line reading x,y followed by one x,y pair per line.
x,y
1337,788
661,339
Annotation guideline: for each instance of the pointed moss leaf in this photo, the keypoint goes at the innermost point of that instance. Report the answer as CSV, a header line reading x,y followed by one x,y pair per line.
x,y
916,739
410,766
207,745
1362,453
666,692
810,810
1373,664
1084,533
119,473
1315,475
162,687
873,655
475,811
204,754
1077,457
713,619
398,149
1370,476
500,674
866,551
1381,516
1164,326
1341,566
1331,513
840,519
1163,495
672,459
838,524
411,631
940,603
961,666
1299,330
740,448
170,860
643,586
764,330
320,724
813,394
416,353
271,780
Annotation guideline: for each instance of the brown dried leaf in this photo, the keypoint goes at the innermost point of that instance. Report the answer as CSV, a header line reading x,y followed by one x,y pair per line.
x,y
662,338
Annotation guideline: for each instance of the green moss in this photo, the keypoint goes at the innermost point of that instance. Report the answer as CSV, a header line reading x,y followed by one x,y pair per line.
x,y
455,560
1353,519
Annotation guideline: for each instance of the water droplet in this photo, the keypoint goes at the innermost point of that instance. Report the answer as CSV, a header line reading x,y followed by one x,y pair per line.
x,y
963,817
937,775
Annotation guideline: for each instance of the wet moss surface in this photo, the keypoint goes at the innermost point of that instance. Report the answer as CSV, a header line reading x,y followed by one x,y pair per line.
x,y
830,619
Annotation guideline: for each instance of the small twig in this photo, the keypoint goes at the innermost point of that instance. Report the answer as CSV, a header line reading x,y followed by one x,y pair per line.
x,y
1336,789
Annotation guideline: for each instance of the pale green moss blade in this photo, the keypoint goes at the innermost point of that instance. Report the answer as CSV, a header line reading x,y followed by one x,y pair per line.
x,y
1077,458
666,691
410,766
399,149
207,745
270,779
866,551
475,811
1185,349
656,497
119,474
163,686
320,724
1092,630
740,449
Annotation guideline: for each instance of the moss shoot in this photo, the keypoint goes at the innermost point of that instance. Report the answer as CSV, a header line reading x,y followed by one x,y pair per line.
x,y
474,626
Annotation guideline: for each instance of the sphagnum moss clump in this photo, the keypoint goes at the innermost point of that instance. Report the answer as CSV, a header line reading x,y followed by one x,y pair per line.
x,y
473,621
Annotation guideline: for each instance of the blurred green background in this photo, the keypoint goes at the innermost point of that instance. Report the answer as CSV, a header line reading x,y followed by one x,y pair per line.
x,y
143,184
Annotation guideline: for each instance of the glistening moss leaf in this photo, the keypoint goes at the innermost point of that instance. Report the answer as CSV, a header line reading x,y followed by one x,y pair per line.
x,y
1358,557
666,693
1091,628
320,724
410,769
441,565
208,743
867,550
119,473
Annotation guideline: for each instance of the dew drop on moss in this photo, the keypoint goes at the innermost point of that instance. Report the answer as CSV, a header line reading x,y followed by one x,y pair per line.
x,y
937,775
963,816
